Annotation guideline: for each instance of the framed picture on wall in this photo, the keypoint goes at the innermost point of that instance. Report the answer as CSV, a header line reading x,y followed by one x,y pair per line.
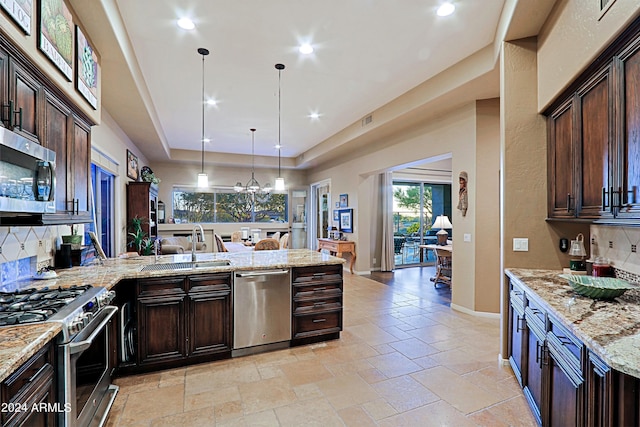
x,y
133,170
346,220
20,12
336,216
86,69
56,35
344,200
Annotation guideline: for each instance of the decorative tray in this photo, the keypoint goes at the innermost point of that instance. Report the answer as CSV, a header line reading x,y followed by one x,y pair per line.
x,y
598,287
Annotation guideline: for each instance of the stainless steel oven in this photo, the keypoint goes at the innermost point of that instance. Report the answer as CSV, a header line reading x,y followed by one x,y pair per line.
x,y
87,373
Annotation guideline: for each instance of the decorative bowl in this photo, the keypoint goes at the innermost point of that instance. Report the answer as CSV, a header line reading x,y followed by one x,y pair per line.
x,y
598,287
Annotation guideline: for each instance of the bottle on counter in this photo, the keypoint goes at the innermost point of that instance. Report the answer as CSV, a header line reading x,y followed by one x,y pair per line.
x,y
602,267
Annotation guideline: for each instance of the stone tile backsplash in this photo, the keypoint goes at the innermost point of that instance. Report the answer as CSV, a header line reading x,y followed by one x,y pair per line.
x,y
618,244
24,250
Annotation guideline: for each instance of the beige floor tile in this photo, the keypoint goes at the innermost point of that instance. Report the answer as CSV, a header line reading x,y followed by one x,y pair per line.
x,y
348,368
227,375
172,377
308,391
436,414
372,334
394,364
507,413
308,413
151,404
137,383
379,409
462,394
372,375
356,416
404,393
462,362
347,391
266,394
198,418
209,398
305,372
435,333
228,410
413,348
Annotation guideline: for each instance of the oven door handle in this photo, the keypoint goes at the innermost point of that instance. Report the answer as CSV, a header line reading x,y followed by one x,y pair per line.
x,y
80,346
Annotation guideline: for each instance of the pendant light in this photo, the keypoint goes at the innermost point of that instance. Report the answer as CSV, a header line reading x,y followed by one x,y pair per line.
x,y
279,180
203,178
253,186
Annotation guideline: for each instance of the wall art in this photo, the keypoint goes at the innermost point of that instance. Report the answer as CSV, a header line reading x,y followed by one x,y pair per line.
x,y
56,35
346,220
86,69
344,200
132,166
20,11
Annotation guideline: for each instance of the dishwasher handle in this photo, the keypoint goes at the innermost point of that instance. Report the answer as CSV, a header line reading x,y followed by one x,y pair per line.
x,y
263,273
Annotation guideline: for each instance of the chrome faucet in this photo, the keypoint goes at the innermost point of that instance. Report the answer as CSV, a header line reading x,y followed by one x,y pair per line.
x,y
194,237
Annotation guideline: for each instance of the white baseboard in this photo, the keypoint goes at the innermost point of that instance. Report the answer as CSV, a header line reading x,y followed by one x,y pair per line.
x,y
475,313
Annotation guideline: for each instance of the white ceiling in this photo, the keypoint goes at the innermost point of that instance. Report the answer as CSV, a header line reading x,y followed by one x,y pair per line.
x,y
367,52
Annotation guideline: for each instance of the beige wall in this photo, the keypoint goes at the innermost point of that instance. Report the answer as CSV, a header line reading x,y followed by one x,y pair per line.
x,y
29,45
456,134
573,36
487,202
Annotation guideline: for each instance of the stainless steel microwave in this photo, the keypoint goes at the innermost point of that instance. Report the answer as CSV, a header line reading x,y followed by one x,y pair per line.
x,y
27,175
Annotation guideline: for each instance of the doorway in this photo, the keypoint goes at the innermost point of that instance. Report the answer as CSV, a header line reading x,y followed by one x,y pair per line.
x,y
102,183
320,207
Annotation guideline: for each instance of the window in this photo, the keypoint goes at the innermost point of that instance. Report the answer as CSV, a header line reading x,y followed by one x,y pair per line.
x,y
225,205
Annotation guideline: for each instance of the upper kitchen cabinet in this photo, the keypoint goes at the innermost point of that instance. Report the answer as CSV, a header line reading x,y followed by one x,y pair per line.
x,y
580,138
594,141
630,141
21,97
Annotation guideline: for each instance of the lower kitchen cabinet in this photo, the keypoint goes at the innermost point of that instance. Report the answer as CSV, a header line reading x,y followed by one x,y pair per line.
x,y
32,384
564,382
183,320
316,302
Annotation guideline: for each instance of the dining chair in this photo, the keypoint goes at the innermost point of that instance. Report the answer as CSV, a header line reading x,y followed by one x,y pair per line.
x,y
268,244
284,241
443,267
236,236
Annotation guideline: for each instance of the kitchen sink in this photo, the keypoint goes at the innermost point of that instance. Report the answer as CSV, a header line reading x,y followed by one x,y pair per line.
x,y
186,265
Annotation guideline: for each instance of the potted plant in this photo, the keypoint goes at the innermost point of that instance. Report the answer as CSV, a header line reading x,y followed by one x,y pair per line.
x,y
74,238
138,237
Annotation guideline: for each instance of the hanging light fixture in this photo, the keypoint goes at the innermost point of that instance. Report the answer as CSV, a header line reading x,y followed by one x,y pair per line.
x,y
203,178
279,180
253,186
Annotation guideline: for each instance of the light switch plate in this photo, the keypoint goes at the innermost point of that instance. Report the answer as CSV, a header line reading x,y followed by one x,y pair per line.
x,y
467,237
520,244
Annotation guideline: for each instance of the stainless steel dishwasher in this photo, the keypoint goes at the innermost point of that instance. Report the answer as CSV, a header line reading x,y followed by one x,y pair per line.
x,y
262,309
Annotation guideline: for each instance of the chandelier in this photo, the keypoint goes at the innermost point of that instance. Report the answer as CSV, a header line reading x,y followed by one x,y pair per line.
x,y
252,186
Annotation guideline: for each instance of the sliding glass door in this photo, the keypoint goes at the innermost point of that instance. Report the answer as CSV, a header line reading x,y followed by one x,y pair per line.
x,y
415,206
104,199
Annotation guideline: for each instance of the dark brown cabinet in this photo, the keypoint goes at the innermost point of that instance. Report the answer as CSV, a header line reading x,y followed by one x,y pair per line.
x,y
564,382
581,141
183,320
594,139
142,202
32,384
209,300
32,106
317,301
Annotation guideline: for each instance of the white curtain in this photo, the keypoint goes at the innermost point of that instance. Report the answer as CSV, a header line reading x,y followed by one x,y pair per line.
x,y
387,262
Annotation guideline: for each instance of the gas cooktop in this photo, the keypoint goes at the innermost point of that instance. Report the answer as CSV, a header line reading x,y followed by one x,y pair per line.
x,y
36,305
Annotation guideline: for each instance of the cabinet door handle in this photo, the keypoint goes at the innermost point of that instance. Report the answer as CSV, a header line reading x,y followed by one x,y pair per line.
x,y
19,114
319,320
569,198
604,199
319,289
318,304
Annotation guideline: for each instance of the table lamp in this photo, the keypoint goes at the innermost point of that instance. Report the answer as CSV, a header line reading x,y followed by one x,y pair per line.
x,y
442,222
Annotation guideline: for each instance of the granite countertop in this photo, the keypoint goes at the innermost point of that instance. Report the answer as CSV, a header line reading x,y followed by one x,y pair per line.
x,y
611,329
18,343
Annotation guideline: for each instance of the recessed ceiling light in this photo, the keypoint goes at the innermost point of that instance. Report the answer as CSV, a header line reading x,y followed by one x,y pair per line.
x,y
446,9
212,102
186,24
206,140
305,49
314,116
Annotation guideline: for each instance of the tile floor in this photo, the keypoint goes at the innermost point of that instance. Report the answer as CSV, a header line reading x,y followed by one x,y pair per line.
x,y
404,359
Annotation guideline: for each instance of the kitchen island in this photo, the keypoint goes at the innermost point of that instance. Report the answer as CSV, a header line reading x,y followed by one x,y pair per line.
x,y
19,343
576,358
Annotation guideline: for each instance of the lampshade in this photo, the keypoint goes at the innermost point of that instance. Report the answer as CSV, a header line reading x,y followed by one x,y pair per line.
x,y
442,221
279,180
203,178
